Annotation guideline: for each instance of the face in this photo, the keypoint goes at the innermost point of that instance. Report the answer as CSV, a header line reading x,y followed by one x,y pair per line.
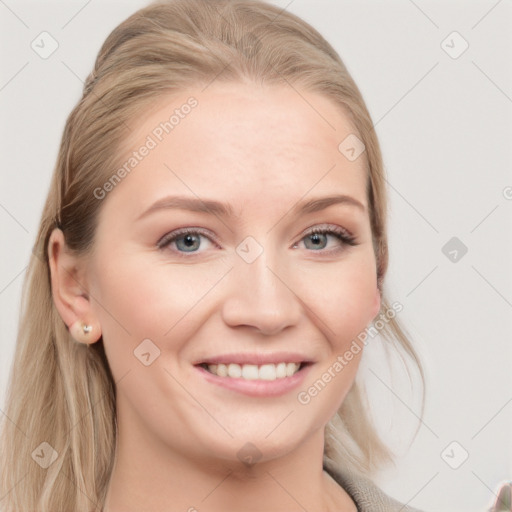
x,y
236,271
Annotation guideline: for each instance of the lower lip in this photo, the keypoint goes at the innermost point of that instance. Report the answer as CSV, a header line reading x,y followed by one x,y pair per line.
x,y
258,387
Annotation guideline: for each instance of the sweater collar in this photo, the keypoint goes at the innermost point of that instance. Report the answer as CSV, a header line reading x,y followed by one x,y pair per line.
x,y
363,492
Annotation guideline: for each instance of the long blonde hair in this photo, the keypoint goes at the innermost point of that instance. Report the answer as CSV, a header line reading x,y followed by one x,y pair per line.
x,y
62,392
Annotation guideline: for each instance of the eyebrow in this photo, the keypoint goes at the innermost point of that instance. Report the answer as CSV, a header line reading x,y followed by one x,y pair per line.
x,y
225,210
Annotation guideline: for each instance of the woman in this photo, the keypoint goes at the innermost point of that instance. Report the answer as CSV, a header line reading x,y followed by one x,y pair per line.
x,y
211,254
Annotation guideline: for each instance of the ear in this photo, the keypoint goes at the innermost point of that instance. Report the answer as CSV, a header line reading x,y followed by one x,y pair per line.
x,y
69,290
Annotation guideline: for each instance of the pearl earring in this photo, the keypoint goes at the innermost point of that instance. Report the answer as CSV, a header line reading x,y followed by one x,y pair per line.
x,y
81,332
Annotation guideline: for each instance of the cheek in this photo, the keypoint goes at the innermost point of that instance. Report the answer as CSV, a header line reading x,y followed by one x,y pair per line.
x,y
343,297
344,316
139,299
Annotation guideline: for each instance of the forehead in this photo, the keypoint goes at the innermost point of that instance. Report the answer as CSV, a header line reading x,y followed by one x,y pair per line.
x,y
249,139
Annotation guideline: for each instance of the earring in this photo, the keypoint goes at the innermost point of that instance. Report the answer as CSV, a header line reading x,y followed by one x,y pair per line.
x,y
81,332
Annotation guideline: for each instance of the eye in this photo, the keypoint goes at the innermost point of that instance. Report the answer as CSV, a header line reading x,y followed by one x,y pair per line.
x,y
186,240
317,238
190,240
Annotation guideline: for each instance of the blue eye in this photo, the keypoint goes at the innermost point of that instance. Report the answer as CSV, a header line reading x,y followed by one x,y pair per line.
x,y
319,237
186,240
190,240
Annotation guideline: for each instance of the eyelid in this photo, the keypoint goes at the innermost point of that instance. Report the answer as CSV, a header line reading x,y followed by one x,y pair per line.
x,y
163,241
329,227
344,236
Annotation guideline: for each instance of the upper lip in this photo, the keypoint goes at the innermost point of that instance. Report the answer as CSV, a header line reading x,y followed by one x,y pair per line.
x,y
256,358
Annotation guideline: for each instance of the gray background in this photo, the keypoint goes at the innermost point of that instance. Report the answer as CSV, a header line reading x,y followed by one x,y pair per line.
x,y
445,128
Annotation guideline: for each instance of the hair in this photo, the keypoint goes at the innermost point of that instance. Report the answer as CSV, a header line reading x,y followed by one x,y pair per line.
x,y
62,392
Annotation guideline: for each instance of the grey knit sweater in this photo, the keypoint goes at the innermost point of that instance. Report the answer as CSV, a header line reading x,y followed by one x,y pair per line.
x,y
365,494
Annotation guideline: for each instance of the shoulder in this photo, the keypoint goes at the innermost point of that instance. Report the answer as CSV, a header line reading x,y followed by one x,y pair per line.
x,y
365,494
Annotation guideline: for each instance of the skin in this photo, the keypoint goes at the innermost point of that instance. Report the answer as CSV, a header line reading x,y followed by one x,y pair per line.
x,y
260,149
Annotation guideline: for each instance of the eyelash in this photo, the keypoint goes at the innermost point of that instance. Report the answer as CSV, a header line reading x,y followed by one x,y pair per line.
x,y
343,235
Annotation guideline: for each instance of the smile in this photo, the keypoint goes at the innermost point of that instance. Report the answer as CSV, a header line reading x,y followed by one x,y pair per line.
x,y
253,371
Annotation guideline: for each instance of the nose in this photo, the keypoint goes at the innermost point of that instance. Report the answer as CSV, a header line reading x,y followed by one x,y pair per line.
x,y
261,296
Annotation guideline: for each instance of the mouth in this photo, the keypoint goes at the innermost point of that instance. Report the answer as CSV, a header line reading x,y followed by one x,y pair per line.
x,y
265,372
256,374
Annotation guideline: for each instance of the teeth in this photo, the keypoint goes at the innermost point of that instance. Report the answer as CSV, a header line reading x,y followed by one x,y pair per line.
x,y
254,372
281,370
268,372
249,371
234,371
